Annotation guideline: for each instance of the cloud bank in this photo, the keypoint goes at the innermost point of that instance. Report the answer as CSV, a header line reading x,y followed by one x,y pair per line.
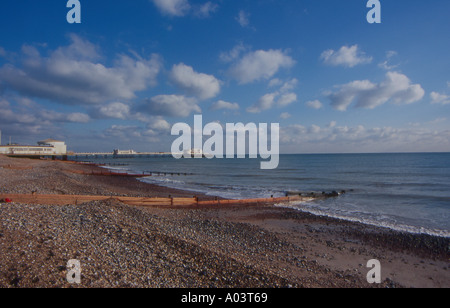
x,y
200,85
396,88
348,56
73,75
260,65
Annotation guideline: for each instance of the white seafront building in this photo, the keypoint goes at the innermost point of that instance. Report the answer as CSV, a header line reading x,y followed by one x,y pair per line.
x,y
59,147
46,147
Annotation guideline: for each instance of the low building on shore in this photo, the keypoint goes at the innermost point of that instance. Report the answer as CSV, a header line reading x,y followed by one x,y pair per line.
x,y
47,147
59,147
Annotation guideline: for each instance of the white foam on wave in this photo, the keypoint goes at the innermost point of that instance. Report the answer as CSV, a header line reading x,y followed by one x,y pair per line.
x,y
163,181
382,221
222,191
116,168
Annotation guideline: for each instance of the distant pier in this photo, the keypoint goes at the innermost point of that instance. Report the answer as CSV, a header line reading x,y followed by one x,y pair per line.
x,y
120,155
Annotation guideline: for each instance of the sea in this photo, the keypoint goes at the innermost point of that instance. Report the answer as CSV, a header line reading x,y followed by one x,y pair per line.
x,y
405,192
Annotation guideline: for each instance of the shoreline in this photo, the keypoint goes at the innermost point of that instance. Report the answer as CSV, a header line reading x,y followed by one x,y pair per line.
x,y
401,229
256,246
406,229
67,172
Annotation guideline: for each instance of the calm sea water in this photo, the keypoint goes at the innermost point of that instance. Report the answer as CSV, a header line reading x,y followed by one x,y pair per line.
x,y
408,192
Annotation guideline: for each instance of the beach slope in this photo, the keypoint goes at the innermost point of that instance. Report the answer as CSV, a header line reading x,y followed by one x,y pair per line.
x,y
240,246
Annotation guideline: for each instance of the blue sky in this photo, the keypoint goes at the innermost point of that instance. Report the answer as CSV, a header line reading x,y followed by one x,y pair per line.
x,y
132,69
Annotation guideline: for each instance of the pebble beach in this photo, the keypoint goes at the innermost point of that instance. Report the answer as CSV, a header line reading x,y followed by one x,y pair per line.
x,y
121,246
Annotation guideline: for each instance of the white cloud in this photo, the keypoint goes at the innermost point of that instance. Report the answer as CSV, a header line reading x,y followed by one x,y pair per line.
x,y
391,53
53,116
264,103
272,100
348,92
438,120
71,75
314,104
78,49
133,134
275,82
332,124
314,129
222,105
180,8
176,8
287,99
26,111
243,19
437,98
205,10
114,110
346,56
289,85
385,65
396,88
200,85
361,139
157,126
260,64
25,118
281,98
170,105
285,115
123,132
233,54
78,117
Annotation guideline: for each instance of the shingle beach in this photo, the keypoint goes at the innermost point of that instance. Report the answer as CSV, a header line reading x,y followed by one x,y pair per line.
x,y
242,246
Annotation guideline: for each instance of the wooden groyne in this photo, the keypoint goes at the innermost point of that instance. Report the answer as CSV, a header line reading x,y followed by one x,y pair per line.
x,y
131,175
142,202
13,167
112,173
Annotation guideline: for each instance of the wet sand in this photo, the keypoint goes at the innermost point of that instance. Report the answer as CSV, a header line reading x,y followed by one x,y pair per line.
x,y
242,246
